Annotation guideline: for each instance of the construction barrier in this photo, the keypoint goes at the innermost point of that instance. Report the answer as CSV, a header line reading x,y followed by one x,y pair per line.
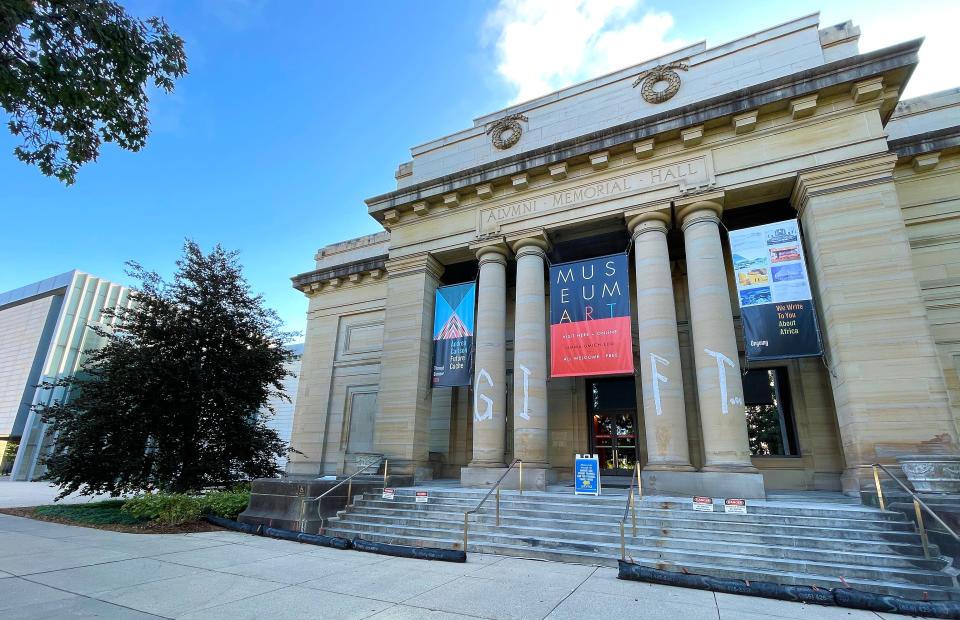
x,y
843,597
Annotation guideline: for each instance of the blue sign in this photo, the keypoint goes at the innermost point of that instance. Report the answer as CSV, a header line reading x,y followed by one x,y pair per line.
x,y
586,475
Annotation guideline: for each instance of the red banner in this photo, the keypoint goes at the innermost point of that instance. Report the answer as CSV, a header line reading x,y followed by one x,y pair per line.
x,y
590,330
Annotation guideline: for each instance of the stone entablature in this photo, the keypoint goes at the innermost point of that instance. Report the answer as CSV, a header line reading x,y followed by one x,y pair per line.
x,y
689,174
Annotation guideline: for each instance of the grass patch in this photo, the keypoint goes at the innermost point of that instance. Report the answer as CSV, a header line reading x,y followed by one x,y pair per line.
x,y
94,513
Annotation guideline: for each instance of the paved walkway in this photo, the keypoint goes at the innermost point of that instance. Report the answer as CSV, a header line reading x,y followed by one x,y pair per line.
x,y
56,571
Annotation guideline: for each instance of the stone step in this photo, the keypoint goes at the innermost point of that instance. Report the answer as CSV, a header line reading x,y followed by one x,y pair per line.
x,y
617,503
911,548
744,571
884,522
670,520
756,557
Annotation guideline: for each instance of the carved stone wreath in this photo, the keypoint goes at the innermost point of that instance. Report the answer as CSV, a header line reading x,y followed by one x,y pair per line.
x,y
660,73
505,132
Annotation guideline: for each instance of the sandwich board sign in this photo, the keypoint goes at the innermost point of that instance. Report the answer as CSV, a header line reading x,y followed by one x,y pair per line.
x,y
586,474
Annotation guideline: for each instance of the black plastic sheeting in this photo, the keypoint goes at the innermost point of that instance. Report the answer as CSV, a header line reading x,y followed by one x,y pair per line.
x,y
402,551
273,532
844,597
419,553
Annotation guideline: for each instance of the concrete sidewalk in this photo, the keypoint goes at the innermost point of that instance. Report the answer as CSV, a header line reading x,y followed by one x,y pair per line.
x,y
55,571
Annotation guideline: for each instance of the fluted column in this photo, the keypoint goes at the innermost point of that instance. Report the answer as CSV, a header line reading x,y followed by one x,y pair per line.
x,y
664,414
530,427
719,386
490,374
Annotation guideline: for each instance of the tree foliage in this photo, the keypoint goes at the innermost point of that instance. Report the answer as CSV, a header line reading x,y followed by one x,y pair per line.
x,y
171,401
74,74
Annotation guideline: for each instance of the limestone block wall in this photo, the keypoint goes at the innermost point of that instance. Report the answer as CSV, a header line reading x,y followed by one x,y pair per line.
x,y
888,386
339,376
930,202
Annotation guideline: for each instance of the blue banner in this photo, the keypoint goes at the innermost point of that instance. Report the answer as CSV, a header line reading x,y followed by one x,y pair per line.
x,y
453,325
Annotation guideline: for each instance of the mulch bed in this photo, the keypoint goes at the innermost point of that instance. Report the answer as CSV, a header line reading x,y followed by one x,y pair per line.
x,y
143,528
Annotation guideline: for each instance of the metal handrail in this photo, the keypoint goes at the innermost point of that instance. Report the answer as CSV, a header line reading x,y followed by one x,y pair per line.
x,y
495,487
631,506
917,504
349,481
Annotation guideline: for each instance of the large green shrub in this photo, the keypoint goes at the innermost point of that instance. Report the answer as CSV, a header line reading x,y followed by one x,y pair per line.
x,y
165,508
227,504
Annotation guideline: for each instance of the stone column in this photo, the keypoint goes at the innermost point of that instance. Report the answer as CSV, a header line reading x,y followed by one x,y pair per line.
x,y
490,366
530,426
402,431
888,385
664,413
719,385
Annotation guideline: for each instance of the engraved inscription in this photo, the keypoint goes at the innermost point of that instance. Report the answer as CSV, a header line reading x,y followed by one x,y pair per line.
x,y
691,172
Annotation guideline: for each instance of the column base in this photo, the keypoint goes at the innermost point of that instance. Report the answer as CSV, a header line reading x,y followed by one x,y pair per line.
x,y
735,469
534,478
709,483
668,467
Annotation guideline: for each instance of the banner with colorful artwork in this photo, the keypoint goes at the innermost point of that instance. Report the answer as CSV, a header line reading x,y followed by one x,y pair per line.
x,y
776,305
453,319
590,317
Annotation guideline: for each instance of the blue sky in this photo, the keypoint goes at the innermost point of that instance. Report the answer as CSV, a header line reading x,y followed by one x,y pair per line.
x,y
294,112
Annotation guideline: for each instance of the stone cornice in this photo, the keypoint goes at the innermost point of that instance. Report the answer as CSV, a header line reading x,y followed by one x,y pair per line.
x,y
848,70
939,140
313,281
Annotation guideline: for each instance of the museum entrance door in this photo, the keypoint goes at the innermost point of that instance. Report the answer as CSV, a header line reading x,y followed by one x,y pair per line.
x,y
612,411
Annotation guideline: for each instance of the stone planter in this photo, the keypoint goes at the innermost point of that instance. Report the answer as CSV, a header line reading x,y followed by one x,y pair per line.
x,y
932,473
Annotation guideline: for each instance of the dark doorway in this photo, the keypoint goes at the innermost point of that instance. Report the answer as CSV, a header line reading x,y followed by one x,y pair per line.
x,y
612,410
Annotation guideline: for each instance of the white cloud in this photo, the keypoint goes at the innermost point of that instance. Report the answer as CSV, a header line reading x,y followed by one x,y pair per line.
x,y
898,22
543,45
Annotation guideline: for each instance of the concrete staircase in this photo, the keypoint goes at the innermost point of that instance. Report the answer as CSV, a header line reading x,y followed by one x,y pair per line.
x,y
790,542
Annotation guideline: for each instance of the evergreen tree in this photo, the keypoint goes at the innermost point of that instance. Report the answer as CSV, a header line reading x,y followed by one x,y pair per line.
x,y
173,400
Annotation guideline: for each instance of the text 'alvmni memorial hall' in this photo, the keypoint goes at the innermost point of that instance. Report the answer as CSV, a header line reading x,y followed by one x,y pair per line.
x,y
737,267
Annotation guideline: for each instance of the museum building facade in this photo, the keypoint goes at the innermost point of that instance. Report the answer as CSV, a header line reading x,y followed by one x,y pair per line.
x,y
662,162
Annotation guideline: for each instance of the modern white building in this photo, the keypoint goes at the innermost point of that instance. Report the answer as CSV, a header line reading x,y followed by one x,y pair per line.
x,y
44,332
282,419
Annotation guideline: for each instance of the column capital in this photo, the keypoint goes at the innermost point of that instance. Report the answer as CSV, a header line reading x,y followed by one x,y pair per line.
x,y
701,208
497,253
841,177
652,220
530,244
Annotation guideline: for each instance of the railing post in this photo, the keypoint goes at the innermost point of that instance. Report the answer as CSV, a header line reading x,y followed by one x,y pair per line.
x,y
303,508
623,544
521,477
498,505
923,530
349,491
633,510
466,526
876,482
386,464
639,482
